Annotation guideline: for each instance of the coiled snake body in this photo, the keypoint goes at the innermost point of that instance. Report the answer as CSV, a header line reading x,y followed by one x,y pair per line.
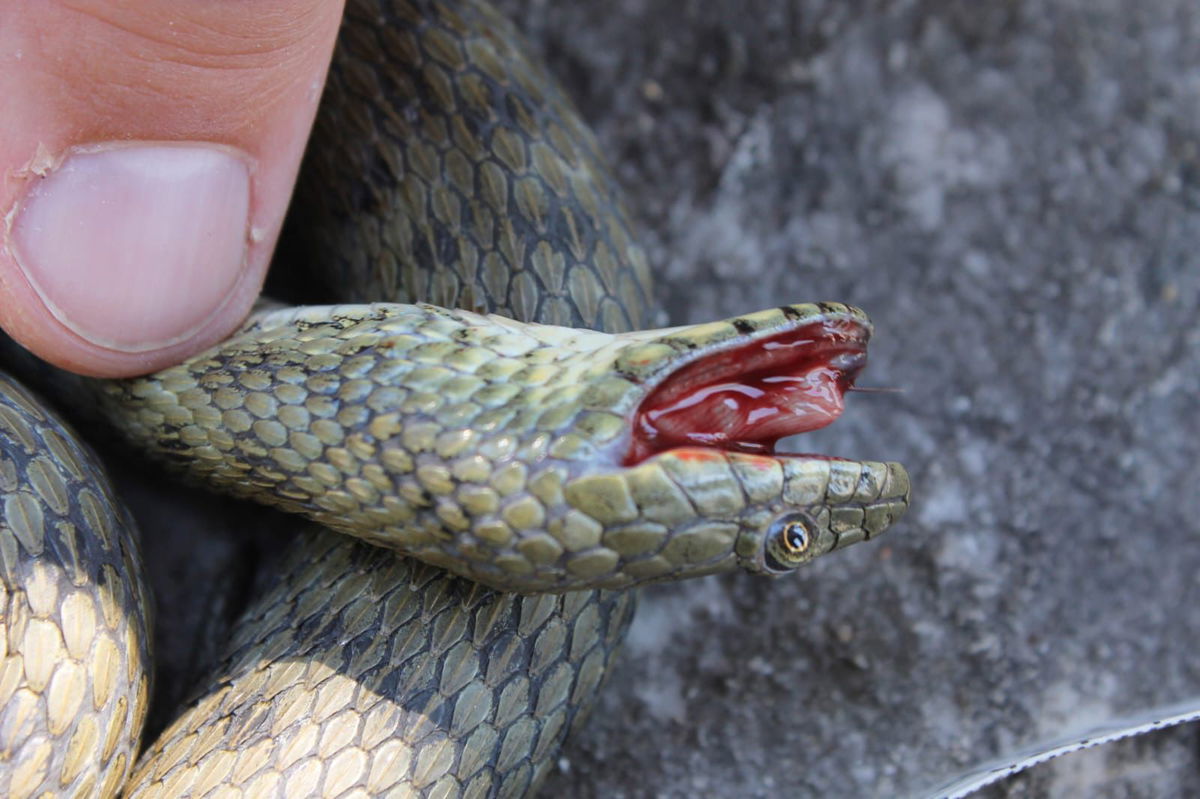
x,y
524,458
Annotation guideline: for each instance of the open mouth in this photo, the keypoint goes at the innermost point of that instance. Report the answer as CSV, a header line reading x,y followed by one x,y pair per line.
x,y
746,398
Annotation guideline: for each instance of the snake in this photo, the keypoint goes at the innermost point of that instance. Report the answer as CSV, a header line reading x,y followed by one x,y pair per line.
x,y
478,497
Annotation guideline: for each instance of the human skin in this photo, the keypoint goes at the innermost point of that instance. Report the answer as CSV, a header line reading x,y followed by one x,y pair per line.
x,y
147,154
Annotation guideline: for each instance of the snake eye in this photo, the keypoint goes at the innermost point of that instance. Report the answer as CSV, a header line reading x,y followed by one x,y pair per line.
x,y
790,542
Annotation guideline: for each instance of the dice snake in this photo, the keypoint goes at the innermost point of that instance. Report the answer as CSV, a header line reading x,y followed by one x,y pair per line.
x,y
483,492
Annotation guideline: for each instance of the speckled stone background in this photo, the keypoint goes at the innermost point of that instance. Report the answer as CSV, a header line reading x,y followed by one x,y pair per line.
x,y
1012,190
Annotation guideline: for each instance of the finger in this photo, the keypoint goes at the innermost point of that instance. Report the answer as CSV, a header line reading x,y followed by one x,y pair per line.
x,y
147,153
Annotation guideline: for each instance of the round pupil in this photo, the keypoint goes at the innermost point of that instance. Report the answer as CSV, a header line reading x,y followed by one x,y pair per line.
x,y
797,536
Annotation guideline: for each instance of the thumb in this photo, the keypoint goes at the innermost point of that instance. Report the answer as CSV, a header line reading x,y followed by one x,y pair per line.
x,y
147,152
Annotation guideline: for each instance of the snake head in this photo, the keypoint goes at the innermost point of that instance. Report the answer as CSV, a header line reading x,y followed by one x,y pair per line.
x,y
532,458
702,488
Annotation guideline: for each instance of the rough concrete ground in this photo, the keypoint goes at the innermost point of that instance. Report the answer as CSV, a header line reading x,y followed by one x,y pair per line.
x,y
1011,190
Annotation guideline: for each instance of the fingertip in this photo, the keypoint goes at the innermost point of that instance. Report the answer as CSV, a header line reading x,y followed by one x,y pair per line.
x,y
141,188
29,321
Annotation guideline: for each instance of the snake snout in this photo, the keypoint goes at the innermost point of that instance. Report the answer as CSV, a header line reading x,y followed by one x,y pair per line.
x,y
831,505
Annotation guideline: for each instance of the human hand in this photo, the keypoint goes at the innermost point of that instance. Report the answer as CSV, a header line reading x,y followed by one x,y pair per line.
x,y
147,154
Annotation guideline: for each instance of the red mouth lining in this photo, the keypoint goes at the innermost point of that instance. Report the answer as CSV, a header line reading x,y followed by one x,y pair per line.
x,y
746,398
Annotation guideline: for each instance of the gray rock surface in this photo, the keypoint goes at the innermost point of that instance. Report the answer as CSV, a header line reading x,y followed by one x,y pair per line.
x,y
1012,190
